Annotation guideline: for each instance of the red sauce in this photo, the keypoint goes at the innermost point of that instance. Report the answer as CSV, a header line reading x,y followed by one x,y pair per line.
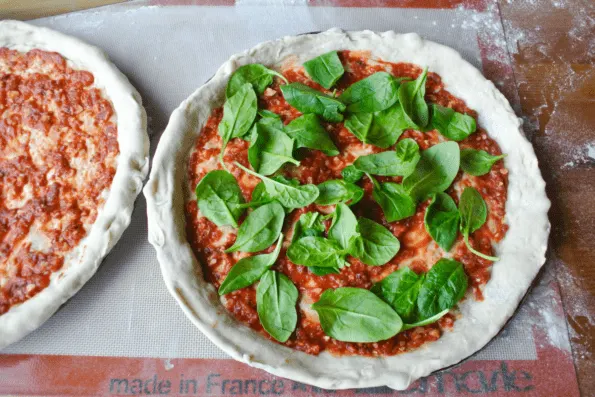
x,y
315,168
58,145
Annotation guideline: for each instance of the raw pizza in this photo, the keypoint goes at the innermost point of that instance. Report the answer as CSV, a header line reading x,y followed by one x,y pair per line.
x,y
346,202
68,177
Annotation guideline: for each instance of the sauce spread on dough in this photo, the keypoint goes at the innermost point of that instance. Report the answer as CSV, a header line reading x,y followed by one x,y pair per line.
x,y
418,251
58,149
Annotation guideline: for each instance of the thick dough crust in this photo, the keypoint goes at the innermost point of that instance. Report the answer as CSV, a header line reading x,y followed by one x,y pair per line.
x,y
132,167
522,251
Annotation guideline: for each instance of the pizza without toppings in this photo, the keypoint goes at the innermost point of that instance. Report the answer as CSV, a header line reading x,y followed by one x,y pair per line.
x,y
73,153
58,150
362,144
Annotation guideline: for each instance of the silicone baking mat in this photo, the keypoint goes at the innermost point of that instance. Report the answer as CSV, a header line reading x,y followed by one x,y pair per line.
x,y
123,334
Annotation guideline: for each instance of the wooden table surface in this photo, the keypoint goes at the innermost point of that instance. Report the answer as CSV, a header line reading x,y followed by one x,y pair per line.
x,y
553,47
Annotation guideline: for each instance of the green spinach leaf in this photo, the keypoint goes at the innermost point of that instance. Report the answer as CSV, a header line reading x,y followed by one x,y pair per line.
x,y
260,229
325,69
411,97
401,162
451,124
267,114
219,198
323,271
239,112
257,75
351,174
339,191
289,195
270,123
276,298
408,152
387,126
435,171
427,321
442,220
445,284
375,245
478,162
344,226
474,213
309,224
394,200
270,148
400,290
372,94
359,125
316,251
308,133
356,315
309,100
249,270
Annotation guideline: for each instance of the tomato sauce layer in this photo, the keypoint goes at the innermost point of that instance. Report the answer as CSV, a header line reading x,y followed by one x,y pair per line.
x,y
418,251
58,149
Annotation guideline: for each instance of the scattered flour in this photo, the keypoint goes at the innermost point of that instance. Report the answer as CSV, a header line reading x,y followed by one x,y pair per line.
x,y
541,309
582,155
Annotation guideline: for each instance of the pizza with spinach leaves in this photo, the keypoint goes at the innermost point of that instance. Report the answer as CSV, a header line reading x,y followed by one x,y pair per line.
x,y
341,203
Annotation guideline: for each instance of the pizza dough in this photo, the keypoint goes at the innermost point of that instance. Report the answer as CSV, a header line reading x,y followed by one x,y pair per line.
x,y
131,166
522,252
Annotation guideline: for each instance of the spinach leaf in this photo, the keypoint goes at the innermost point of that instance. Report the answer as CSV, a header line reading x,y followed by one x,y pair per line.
x,y
338,191
289,195
308,133
260,229
325,69
270,148
344,226
249,270
445,284
391,163
375,245
351,174
356,315
239,113
342,230
259,196
316,251
268,121
478,162
473,209
411,97
400,290
309,224
387,126
427,321
276,298
451,124
442,220
394,200
372,94
271,123
257,75
323,271
309,100
434,172
267,114
474,213
408,153
359,125
219,198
